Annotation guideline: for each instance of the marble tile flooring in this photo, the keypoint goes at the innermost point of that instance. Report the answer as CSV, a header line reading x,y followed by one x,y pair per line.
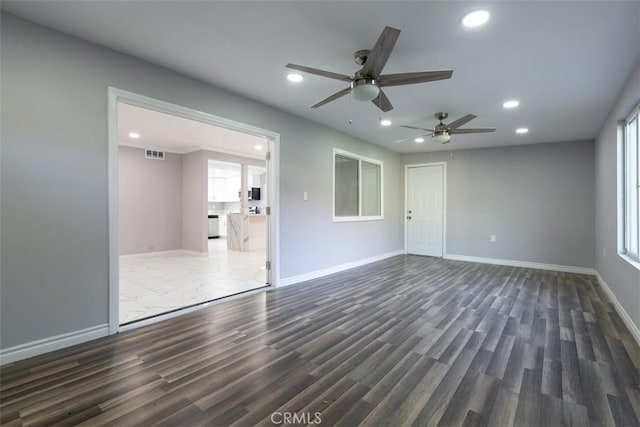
x,y
152,284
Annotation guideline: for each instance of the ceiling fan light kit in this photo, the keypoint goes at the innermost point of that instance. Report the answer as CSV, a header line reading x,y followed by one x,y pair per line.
x,y
365,89
441,137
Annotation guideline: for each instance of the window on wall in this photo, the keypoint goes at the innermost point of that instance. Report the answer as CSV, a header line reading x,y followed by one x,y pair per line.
x,y
631,180
357,187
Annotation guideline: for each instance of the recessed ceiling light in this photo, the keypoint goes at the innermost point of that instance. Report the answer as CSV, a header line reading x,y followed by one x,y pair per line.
x,y
258,147
522,130
475,18
511,104
134,135
419,140
385,122
295,77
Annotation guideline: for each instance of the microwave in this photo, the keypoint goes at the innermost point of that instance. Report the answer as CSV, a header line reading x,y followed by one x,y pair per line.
x,y
252,194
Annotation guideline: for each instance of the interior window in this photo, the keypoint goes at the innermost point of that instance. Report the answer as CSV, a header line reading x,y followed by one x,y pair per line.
x,y
357,187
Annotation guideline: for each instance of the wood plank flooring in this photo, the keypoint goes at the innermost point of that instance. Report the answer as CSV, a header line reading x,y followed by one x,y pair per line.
x,y
406,341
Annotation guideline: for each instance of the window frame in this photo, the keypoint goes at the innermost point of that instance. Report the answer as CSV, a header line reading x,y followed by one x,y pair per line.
x,y
360,159
634,257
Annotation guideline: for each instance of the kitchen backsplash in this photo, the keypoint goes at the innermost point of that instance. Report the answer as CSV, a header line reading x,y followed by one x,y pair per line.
x,y
226,207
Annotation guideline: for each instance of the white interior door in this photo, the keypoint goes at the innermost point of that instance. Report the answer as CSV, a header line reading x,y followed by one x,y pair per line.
x,y
425,210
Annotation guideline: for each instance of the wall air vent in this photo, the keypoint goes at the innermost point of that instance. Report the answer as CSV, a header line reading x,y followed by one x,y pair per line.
x,y
154,154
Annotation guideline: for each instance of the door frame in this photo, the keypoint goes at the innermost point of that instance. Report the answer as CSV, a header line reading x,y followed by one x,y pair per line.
x,y
115,96
444,202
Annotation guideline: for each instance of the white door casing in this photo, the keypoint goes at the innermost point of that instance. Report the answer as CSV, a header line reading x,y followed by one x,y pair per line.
x,y
425,198
116,95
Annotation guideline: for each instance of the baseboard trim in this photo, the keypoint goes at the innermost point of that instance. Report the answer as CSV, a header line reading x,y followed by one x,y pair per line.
x,y
633,328
525,264
46,345
292,280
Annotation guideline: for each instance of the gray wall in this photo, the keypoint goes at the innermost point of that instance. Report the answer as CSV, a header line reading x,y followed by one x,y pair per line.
x,y
150,202
194,201
54,141
537,200
622,277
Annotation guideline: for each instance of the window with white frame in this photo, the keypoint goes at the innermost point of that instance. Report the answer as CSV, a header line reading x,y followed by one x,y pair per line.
x,y
631,182
357,187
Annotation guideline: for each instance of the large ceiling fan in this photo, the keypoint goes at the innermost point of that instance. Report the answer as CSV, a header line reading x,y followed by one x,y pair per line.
x,y
441,134
366,84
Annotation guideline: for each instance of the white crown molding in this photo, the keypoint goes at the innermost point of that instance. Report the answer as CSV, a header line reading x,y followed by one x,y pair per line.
x,y
259,155
524,264
46,345
149,147
292,280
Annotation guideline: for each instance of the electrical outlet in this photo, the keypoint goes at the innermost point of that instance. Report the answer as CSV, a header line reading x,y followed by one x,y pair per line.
x,y
305,196
492,239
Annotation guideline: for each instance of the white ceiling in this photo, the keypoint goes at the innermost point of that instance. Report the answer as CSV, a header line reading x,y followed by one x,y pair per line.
x,y
179,135
566,61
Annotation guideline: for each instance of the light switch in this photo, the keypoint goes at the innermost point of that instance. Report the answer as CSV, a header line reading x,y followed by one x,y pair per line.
x,y
492,239
305,196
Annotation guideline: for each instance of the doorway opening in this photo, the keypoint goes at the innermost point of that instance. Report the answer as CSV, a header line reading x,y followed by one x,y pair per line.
x,y
425,209
189,194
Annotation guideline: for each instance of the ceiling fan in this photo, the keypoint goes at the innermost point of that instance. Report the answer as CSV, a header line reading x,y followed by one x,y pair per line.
x,y
366,84
441,134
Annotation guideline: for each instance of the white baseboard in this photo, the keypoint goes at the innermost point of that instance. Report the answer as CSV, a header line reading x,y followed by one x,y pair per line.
x,y
633,328
163,253
291,280
46,345
525,264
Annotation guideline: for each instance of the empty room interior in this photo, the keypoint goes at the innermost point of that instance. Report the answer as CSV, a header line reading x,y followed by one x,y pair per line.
x,y
320,213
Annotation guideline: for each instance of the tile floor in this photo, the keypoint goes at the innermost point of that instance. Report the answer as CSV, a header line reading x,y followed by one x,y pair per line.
x,y
152,284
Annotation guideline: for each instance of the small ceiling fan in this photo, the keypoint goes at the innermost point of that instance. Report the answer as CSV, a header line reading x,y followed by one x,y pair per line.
x,y
441,134
366,84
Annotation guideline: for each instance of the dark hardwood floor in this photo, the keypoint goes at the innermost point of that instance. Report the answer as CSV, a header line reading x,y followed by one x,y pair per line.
x,y
406,341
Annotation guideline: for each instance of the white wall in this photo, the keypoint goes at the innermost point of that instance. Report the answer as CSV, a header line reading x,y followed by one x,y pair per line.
x,y
150,202
620,276
54,155
537,199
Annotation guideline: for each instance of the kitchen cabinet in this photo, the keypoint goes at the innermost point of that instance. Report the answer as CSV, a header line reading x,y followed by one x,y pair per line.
x,y
222,229
223,189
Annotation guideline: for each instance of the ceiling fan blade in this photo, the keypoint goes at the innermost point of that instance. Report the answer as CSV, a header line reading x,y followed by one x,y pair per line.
x,y
462,120
382,102
477,130
412,138
333,97
402,140
416,128
379,55
412,78
318,72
